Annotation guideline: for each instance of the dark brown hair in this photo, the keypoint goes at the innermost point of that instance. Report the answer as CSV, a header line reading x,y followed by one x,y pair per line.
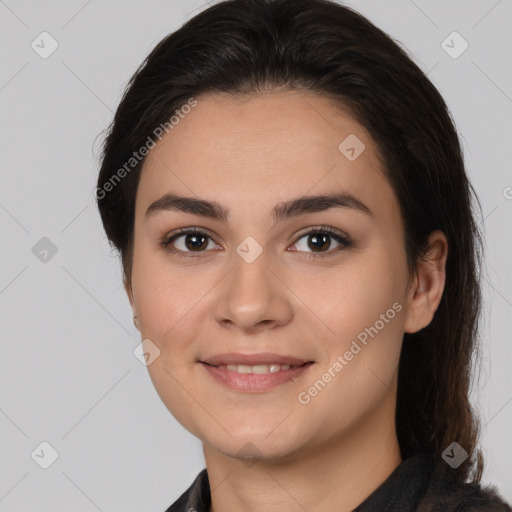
x,y
242,47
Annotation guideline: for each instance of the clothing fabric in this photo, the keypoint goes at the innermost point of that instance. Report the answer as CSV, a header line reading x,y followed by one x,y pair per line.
x,y
416,485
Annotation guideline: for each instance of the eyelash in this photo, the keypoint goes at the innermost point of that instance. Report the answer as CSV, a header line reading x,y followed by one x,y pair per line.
x,y
345,241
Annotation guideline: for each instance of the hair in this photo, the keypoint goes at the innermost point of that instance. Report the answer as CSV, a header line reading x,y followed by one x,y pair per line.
x,y
248,47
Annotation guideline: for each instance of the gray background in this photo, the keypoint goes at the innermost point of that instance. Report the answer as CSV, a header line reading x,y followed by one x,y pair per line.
x,y
68,375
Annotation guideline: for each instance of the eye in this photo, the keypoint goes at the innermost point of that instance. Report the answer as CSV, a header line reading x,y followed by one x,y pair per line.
x,y
319,240
188,240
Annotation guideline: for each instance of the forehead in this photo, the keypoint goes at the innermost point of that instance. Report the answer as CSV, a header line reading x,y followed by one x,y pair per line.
x,y
277,145
287,124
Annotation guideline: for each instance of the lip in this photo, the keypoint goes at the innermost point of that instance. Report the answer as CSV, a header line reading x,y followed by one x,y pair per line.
x,y
254,382
253,359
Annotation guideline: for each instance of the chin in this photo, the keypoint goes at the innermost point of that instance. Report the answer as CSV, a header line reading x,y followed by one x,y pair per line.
x,y
254,446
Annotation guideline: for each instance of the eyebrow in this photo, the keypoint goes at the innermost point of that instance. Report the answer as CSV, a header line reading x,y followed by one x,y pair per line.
x,y
284,210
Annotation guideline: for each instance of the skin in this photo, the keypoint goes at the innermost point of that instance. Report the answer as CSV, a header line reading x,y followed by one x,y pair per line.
x,y
249,154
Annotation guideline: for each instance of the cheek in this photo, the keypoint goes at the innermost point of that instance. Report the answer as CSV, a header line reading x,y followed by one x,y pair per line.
x,y
361,306
164,292
168,303
350,297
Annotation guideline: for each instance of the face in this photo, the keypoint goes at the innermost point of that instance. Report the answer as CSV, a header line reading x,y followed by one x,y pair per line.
x,y
263,277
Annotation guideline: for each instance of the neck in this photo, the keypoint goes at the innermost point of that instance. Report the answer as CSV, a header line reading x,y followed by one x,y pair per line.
x,y
336,476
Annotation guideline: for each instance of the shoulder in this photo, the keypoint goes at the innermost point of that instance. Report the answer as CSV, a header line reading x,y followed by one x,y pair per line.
x,y
446,494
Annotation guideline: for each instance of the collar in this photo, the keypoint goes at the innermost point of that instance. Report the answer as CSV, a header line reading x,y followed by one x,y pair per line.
x,y
417,484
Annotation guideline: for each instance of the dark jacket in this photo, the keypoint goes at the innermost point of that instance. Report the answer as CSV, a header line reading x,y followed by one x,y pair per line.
x,y
414,486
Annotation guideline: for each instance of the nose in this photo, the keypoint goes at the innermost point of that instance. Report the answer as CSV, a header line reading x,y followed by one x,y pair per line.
x,y
252,297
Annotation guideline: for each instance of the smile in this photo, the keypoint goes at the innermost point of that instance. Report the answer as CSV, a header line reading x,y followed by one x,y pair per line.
x,y
255,378
259,368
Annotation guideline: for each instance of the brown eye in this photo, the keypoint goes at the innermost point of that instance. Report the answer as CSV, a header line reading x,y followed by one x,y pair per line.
x,y
188,241
320,240
195,242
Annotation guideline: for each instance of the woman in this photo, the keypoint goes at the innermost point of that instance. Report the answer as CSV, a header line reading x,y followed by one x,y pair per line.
x,y
288,195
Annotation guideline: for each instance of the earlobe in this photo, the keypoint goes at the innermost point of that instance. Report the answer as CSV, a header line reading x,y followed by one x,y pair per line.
x,y
428,286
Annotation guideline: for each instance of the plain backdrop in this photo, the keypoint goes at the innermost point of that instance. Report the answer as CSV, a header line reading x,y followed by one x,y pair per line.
x,y
68,375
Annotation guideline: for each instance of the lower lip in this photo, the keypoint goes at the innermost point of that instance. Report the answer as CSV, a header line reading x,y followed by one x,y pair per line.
x,y
254,382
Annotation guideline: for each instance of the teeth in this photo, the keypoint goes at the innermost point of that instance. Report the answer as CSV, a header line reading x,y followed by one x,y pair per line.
x,y
259,368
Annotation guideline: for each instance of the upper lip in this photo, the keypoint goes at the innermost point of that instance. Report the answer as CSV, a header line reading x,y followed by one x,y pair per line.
x,y
253,359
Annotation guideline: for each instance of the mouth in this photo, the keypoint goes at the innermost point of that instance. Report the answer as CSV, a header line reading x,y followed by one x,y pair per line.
x,y
254,373
259,369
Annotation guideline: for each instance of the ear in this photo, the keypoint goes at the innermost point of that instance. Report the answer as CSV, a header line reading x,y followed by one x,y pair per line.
x,y
129,292
426,289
